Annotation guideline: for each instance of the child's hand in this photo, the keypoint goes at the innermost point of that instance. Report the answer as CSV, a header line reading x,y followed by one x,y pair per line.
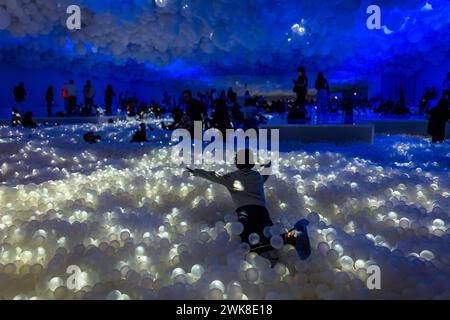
x,y
267,165
188,172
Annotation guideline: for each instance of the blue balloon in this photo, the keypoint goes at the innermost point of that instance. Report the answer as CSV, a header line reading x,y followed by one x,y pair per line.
x,y
394,20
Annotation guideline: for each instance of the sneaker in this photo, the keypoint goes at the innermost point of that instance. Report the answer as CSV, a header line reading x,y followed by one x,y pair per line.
x,y
302,244
290,237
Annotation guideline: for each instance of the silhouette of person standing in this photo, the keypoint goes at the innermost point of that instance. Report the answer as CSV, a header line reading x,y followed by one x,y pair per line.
x,y
446,87
89,94
109,96
194,109
20,93
301,87
438,117
49,99
72,93
323,91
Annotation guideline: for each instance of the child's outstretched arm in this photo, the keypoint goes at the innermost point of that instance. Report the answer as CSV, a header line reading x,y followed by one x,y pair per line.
x,y
267,165
212,176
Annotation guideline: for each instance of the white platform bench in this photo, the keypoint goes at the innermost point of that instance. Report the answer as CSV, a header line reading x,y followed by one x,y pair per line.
x,y
409,127
71,120
334,133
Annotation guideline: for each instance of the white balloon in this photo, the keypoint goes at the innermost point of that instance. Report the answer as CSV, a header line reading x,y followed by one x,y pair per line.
x,y
253,238
252,274
161,3
236,228
5,19
276,242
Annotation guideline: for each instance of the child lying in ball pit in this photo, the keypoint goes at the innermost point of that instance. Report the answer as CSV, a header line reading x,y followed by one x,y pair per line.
x,y
246,187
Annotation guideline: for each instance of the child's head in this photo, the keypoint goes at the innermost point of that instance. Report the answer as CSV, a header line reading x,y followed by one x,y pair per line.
x,y
245,159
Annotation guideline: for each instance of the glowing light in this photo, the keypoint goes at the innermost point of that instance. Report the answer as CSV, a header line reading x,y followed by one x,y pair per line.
x,y
161,3
298,29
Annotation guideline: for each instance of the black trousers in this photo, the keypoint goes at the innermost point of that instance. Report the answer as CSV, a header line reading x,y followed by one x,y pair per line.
x,y
301,99
72,104
437,132
446,94
49,108
108,106
438,138
88,103
254,218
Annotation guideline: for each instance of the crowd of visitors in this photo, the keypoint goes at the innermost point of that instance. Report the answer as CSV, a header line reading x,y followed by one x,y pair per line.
x,y
226,109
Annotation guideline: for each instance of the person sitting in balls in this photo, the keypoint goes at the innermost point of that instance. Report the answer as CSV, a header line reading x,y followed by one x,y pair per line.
x,y
180,121
438,118
140,135
246,187
27,121
91,138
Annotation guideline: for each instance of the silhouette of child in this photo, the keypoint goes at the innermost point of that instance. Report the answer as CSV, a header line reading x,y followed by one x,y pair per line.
x,y
438,118
246,187
27,121
90,137
140,135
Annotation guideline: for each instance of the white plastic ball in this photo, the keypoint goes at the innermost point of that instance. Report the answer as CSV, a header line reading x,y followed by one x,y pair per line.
x,y
276,242
204,236
5,19
114,295
276,230
280,269
244,247
215,294
236,228
332,255
427,255
217,284
267,232
186,174
253,238
438,223
323,248
404,223
252,275
234,291
177,271
197,270
359,264
125,235
55,283
161,3
313,218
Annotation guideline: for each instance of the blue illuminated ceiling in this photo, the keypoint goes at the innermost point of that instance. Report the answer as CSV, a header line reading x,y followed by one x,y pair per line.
x,y
187,39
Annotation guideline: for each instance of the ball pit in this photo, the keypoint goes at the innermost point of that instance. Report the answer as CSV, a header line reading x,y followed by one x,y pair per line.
x,y
118,214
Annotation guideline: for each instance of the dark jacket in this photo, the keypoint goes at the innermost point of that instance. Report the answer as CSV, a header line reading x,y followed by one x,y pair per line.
x,y
194,110
301,85
322,84
19,94
49,96
438,120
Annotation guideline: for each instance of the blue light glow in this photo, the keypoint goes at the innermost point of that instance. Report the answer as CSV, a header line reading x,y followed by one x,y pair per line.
x,y
221,38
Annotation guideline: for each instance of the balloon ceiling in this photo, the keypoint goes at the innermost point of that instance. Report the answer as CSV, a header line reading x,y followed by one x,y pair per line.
x,y
190,39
